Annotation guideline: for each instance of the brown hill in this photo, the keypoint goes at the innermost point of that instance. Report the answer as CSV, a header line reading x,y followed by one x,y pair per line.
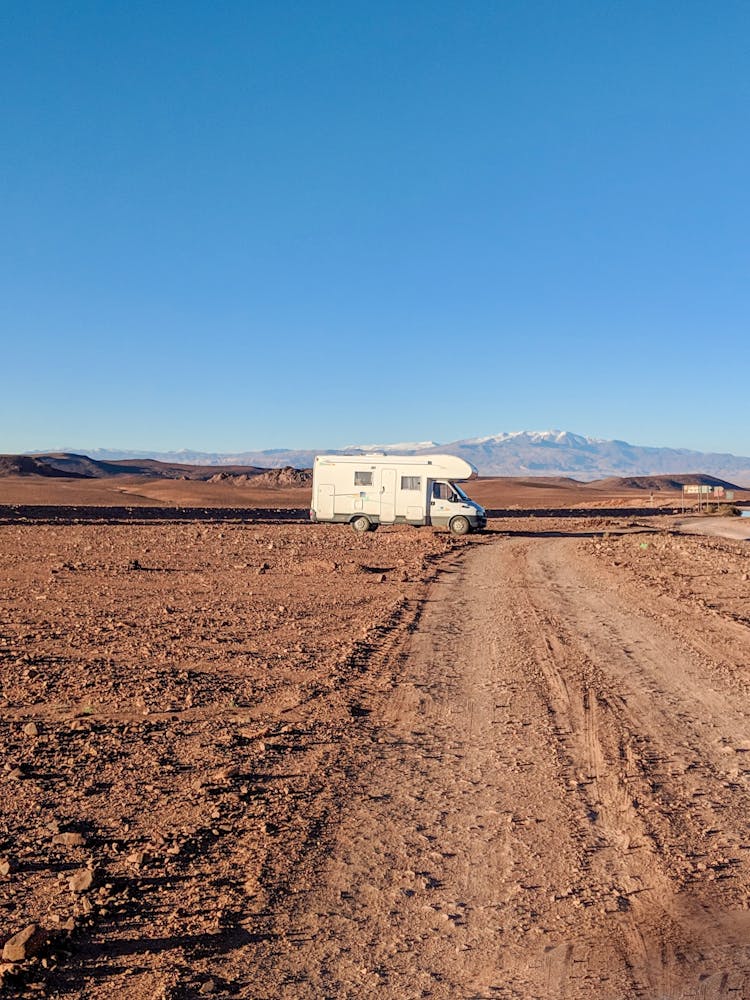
x,y
25,465
661,483
74,466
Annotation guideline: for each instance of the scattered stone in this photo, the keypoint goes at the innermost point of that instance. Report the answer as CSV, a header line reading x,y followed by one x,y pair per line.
x,y
82,880
31,729
24,944
69,839
225,773
253,734
286,615
5,866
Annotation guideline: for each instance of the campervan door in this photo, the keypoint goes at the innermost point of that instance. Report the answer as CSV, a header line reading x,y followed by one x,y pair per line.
x,y
403,493
387,495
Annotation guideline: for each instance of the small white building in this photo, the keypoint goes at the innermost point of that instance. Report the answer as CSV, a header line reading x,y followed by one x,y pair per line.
x,y
373,489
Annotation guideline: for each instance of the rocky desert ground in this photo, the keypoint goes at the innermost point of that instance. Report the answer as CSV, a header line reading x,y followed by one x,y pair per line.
x,y
254,758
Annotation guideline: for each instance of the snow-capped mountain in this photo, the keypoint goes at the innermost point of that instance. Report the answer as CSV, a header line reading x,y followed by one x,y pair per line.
x,y
405,448
514,453
559,437
563,453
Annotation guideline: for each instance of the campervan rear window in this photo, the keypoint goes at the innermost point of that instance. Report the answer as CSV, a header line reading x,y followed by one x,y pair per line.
x,y
363,479
411,482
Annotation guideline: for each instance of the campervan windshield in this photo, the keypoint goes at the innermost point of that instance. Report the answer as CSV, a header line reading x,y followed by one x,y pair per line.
x,y
443,489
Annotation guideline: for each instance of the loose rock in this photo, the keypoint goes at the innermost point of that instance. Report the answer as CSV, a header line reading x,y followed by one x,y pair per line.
x,y
82,880
69,839
24,944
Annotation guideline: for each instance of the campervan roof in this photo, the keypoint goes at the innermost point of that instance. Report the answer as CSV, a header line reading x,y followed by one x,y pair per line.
x,y
435,466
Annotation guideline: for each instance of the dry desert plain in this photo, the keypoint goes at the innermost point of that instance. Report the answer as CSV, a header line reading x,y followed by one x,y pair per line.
x,y
248,756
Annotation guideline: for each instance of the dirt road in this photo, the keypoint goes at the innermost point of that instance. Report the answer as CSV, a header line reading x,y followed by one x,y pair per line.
x,y
719,527
554,801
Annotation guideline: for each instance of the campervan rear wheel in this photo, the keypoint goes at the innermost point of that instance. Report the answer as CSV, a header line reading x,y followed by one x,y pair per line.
x,y
460,525
361,523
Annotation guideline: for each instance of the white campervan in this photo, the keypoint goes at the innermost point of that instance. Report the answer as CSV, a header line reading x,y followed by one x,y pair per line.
x,y
368,490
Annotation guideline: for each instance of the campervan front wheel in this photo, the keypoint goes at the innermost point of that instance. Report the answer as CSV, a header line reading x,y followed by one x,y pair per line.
x,y
361,523
460,525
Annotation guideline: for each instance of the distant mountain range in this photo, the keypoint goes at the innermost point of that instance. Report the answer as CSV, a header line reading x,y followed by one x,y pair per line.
x,y
519,453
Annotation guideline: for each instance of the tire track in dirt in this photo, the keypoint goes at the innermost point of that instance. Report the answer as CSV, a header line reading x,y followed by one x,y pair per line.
x,y
644,696
542,807
621,862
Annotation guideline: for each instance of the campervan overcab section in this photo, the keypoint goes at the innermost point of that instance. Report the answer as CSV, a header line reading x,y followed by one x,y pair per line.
x,y
368,490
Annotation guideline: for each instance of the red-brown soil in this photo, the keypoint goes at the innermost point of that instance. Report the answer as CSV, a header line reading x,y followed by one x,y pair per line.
x,y
179,696
301,763
141,491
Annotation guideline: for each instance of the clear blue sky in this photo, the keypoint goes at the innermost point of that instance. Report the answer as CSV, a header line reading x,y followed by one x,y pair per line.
x,y
231,225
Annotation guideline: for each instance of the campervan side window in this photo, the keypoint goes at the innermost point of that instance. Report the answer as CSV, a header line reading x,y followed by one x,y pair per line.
x,y
363,479
411,482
